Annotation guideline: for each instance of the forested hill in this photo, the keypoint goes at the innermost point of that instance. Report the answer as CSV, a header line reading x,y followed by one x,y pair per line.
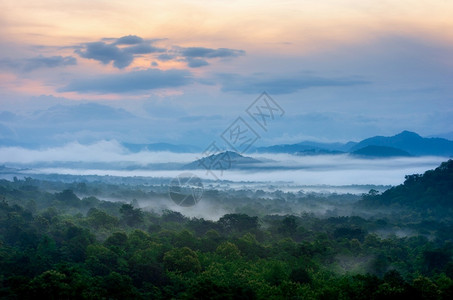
x,y
432,190
54,245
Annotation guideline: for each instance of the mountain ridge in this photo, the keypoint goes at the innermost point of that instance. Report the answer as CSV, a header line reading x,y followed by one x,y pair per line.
x,y
432,190
405,141
410,142
221,161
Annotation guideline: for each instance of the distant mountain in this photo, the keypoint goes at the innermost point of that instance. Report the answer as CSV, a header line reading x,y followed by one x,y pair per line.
x,y
446,135
380,151
403,144
222,161
411,143
338,147
161,147
431,191
308,147
317,151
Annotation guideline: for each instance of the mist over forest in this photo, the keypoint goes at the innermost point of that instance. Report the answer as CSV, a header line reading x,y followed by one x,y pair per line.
x,y
369,219
81,233
226,149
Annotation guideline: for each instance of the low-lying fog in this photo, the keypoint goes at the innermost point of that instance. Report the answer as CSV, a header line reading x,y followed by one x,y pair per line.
x,y
110,158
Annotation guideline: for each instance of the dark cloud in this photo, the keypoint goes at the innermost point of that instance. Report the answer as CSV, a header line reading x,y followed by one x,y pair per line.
x,y
105,53
149,79
196,57
121,56
166,57
129,40
196,62
200,52
30,64
280,84
122,51
50,62
142,49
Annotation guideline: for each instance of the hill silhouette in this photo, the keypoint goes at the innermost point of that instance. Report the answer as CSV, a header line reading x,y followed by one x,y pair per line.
x,y
404,144
221,161
410,142
433,190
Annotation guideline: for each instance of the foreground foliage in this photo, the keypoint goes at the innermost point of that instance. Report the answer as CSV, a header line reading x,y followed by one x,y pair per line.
x,y
55,245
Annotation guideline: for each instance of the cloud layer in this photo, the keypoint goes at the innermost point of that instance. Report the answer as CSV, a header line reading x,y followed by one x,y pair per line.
x,y
341,72
130,82
280,84
197,56
38,62
115,160
121,51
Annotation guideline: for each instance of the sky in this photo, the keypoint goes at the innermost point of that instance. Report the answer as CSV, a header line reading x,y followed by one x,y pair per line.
x,y
182,72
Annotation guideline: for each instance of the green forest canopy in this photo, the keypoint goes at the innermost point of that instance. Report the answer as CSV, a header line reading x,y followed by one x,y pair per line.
x,y
58,246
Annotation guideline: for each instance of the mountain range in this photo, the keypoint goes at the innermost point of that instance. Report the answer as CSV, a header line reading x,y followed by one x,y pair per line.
x,y
411,143
405,143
